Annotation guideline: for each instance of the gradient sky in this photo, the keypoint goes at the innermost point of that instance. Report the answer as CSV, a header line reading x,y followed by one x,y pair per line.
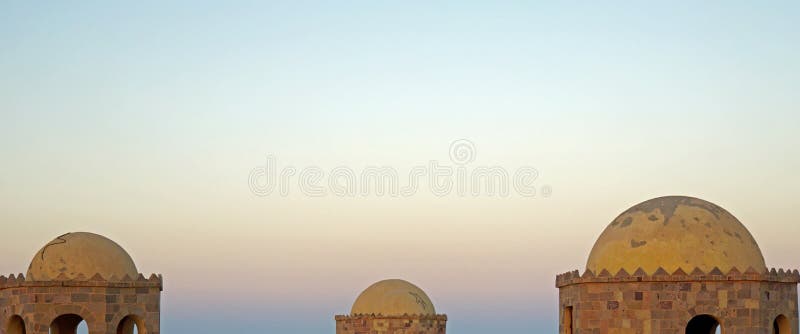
x,y
142,122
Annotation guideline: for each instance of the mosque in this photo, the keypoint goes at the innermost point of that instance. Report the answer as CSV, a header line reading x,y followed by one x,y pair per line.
x,y
667,265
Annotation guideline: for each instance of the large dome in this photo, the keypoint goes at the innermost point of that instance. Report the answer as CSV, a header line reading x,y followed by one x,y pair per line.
x,y
393,297
675,232
80,253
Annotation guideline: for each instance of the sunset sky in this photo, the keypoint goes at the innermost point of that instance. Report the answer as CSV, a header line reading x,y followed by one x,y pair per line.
x,y
143,122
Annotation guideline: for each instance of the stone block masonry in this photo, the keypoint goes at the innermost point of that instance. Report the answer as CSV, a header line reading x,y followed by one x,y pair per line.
x,y
108,306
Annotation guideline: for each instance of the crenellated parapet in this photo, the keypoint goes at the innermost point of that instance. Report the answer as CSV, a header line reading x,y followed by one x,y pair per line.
x,y
660,275
97,280
380,323
436,317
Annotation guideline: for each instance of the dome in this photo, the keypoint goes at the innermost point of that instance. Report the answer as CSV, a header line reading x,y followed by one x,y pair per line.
x,y
675,232
80,253
393,297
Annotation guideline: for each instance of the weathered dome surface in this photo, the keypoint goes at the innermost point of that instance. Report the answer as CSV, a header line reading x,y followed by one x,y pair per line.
x,y
80,253
675,232
393,297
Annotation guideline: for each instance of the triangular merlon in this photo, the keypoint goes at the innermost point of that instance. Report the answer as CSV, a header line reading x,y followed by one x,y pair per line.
x,y
679,272
660,272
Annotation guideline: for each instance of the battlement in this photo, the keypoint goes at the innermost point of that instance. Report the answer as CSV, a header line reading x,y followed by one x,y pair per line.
x,y
439,317
379,323
17,281
660,275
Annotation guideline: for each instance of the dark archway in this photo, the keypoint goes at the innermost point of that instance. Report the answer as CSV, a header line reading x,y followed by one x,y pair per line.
x,y
703,324
131,325
781,325
66,324
15,325
568,320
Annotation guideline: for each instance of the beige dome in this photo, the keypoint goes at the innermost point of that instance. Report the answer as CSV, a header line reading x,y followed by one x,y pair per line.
x,y
393,297
80,253
675,232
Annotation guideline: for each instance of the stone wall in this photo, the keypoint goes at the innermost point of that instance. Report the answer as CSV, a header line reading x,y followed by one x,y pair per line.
x,y
106,306
379,324
746,303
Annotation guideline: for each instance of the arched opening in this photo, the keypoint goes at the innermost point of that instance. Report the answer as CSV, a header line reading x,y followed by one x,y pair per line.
x,y
703,324
69,324
567,320
131,325
83,328
781,325
15,325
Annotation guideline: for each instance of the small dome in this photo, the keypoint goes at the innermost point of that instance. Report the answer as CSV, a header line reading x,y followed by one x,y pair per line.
x,y
393,297
675,232
80,253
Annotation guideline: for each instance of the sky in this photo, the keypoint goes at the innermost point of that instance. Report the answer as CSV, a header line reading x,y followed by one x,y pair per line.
x,y
145,122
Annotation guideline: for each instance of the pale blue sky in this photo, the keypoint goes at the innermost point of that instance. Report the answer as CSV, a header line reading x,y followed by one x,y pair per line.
x,y
141,121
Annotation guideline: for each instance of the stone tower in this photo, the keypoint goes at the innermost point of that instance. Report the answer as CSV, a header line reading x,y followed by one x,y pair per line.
x,y
677,265
392,307
80,277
